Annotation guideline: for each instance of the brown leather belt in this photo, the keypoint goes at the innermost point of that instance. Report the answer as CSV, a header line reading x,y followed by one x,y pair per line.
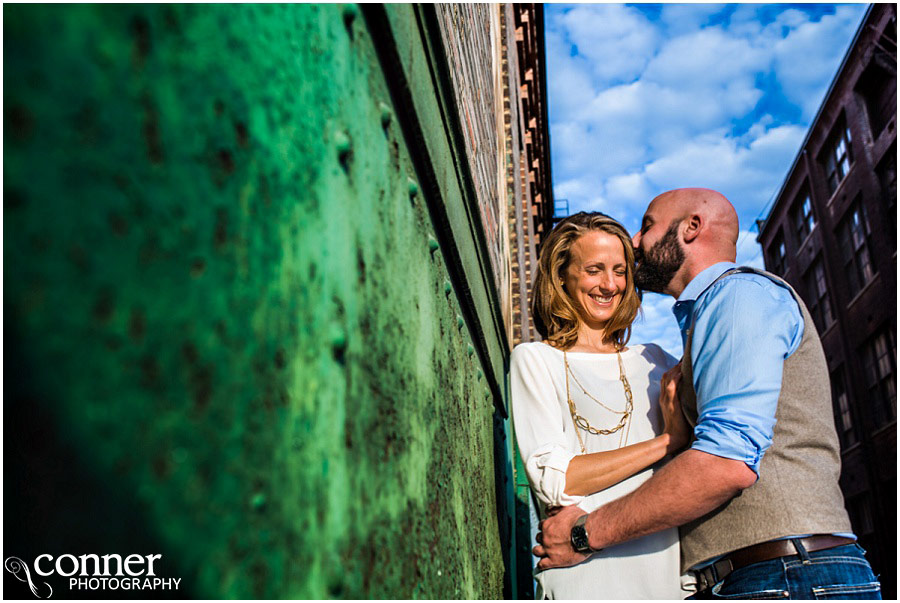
x,y
710,575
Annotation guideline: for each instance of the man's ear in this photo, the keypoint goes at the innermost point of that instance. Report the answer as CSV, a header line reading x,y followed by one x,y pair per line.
x,y
692,226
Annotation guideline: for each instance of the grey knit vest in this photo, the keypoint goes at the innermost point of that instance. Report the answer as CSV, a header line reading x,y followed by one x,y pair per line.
x,y
797,491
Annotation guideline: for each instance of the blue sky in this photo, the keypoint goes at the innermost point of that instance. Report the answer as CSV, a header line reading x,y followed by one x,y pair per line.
x,y
649,97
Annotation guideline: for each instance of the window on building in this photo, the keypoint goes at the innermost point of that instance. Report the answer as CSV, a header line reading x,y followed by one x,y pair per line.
x,y
803,218
879,366
859,508
854,236
837,156
843,419
887,177
878,88
777,255
889,494
817,295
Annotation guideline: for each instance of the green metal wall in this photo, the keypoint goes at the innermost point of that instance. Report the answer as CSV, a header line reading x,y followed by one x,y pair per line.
x,y
235,332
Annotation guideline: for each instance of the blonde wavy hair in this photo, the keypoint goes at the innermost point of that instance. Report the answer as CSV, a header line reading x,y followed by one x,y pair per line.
x,y
555,313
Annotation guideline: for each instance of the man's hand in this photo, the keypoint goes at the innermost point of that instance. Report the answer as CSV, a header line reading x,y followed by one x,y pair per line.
x,y
676,426
554,538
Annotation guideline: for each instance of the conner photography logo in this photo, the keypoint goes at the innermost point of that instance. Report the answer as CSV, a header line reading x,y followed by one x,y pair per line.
x,y
91,572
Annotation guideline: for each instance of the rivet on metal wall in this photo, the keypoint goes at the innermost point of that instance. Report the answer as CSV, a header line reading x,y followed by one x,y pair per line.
x,y
258,501
413,188
470,350
432,244
479,374
386,114
350,13
338,343
460,323
344,147
448,288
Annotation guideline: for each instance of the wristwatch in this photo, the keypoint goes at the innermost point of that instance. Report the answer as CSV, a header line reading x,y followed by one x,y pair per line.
x,y
580,537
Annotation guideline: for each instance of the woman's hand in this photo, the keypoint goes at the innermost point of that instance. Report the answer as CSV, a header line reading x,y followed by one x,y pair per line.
x,y
676,426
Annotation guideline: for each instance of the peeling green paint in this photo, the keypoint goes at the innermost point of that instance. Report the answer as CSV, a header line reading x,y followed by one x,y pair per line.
x,y
237,324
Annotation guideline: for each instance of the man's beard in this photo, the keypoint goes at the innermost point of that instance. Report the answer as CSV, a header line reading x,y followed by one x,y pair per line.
x,y
658,266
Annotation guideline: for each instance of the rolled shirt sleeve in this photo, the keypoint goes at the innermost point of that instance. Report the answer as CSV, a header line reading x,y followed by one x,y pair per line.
x,y
539,428
745,327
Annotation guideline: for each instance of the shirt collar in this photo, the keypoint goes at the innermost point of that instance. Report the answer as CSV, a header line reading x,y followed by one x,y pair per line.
x,y
703,280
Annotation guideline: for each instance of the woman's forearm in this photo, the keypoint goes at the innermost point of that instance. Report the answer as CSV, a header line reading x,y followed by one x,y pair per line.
x,y
590,473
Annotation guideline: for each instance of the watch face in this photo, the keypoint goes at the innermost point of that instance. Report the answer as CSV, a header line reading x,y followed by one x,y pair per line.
x,y
580,540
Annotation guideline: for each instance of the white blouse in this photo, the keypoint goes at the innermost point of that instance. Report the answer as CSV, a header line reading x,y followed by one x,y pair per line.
x,y
644,568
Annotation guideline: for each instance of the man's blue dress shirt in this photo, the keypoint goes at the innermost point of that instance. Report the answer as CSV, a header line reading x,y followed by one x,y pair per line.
x,y
744,327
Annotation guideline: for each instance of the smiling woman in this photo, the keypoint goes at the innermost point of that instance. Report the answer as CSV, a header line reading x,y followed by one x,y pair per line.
x,y
596,276
584,287
580,396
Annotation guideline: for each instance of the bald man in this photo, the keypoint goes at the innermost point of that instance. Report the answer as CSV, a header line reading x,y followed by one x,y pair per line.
x,y
756,494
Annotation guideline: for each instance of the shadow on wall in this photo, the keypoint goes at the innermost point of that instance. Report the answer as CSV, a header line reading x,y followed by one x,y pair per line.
x,y
55,504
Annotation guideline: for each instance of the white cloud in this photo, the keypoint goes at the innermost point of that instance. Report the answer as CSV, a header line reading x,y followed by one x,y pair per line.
x,y
746,169
749,253
570,74
707,58
657,325
631,194
710,161
616,39
745,21
583,194
806,60
773,150
686,17
605,147
647,107
791,18
629,188
674,124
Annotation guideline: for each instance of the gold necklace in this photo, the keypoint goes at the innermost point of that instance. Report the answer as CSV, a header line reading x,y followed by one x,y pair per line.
x,y
583,423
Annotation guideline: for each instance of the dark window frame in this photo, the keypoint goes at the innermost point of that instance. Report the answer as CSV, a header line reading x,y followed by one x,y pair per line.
x,y
877,88
837,158
854,238
777,255
819,305
859,507
803,217
880,372
886,170
843,415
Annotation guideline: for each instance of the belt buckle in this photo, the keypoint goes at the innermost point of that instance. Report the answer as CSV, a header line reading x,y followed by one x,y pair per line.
x,y
710,575
705,578
722,568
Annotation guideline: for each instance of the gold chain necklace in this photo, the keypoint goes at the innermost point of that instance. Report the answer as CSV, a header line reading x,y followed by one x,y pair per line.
x,y
583,423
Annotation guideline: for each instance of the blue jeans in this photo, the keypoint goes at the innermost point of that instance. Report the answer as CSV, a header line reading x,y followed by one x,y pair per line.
x,y
841,572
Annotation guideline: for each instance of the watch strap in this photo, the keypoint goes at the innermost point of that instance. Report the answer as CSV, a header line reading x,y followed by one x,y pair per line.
x,y
579,537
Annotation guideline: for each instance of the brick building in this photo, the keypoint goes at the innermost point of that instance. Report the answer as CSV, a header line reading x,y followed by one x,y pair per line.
x,y
529,211
528,176
500,86
832,235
